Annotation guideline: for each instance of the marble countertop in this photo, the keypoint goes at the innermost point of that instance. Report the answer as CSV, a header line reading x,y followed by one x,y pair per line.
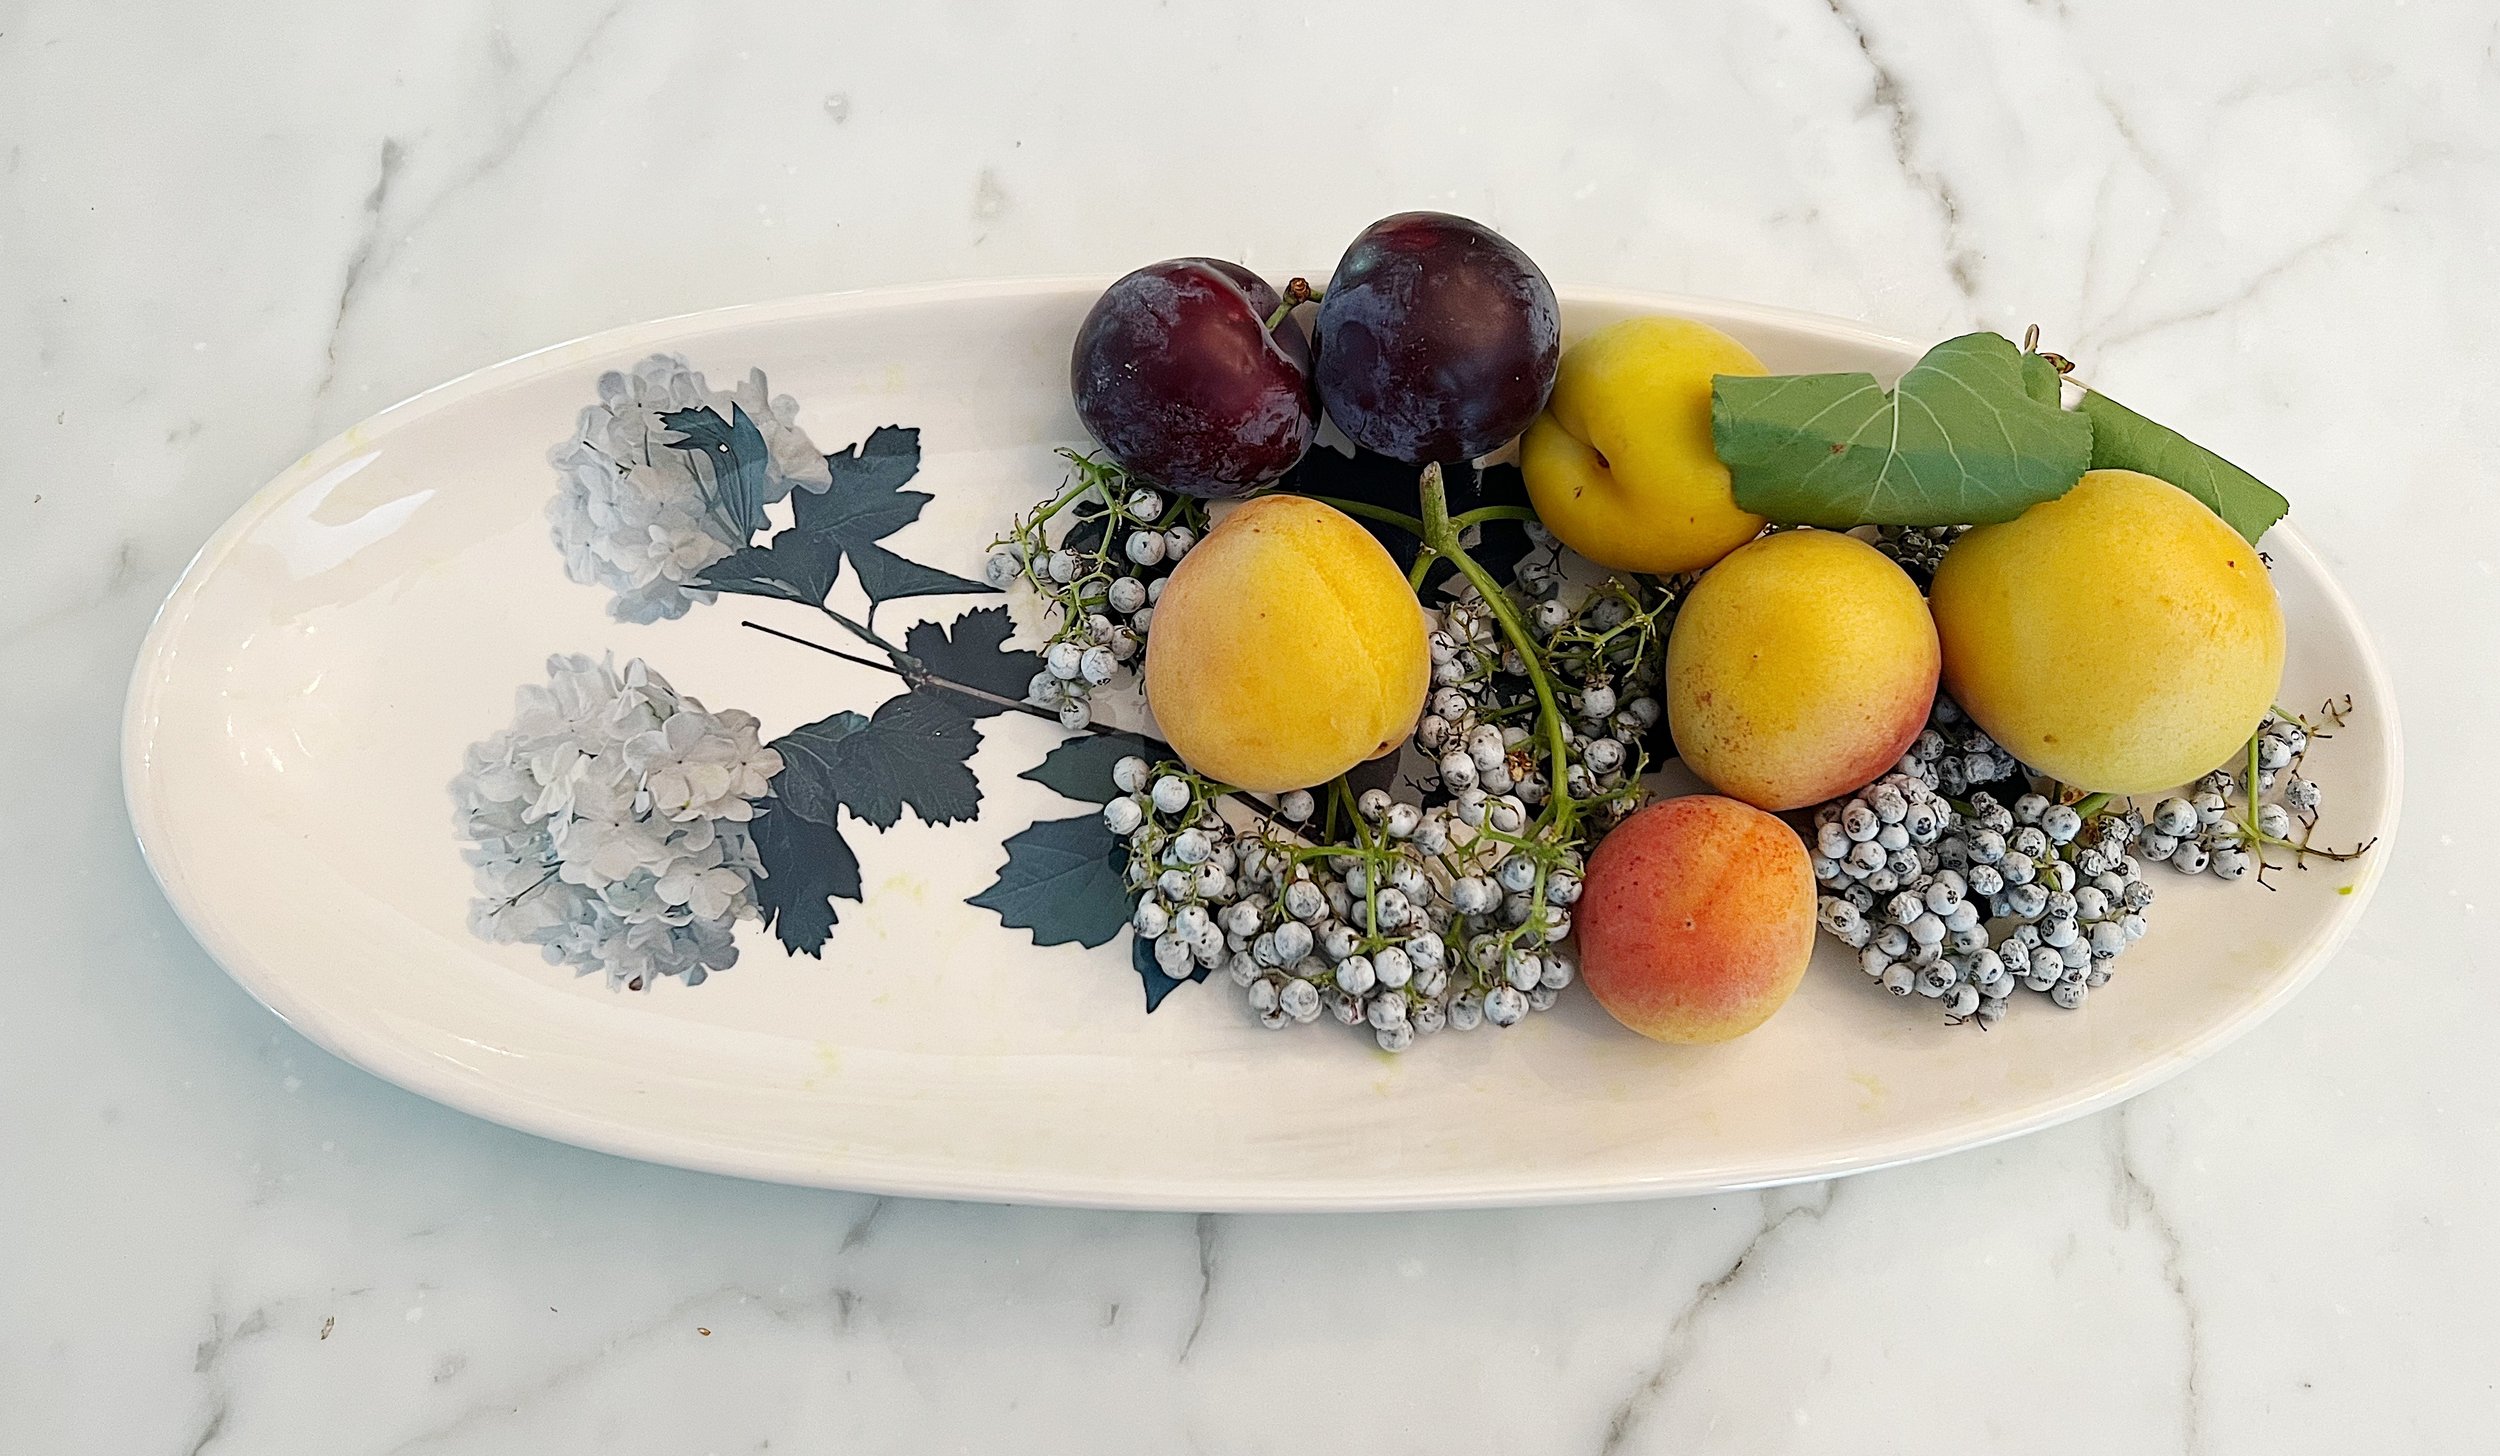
x,y
228,231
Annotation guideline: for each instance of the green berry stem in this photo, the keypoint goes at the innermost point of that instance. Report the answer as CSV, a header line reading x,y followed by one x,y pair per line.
x,y
2249,822
1440,533
1482,514
1370,512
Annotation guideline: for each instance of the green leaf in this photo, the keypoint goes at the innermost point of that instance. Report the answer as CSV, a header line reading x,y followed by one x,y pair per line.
x,y
1960,440
2041,380
974,652
807,866
1061,883
739,460
913,753
794,568
2125,440
1080,768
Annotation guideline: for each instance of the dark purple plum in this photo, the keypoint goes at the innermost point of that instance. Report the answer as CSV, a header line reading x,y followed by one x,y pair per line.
x,y
1437,339
1176,372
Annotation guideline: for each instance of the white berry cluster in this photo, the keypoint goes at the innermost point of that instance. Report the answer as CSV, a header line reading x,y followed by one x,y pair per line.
x,y
1415,920
608,824
1098,554
638,516
1915,886
1954,755
1917,550
2223,826
1604,656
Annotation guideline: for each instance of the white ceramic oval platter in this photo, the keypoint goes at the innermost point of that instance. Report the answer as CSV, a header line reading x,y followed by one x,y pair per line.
x,y
315,683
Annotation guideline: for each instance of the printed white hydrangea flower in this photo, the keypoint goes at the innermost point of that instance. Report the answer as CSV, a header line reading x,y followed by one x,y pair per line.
x,y
608,824
632,513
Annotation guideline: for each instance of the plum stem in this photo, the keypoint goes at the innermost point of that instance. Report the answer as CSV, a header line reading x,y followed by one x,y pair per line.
x,y
1440,533
1299,291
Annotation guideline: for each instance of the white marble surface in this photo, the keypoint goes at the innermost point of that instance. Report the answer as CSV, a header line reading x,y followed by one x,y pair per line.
x,y
228,231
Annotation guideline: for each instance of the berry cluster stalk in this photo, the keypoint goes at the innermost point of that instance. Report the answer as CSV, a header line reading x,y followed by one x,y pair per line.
x,y
1440,533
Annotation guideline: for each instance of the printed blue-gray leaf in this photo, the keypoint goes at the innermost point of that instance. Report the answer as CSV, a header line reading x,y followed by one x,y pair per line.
x,y
807,866
1081,767
740,463
885,576
794,568
974,652
1060,882
913,753
867,503
805,785
882,462
1141,958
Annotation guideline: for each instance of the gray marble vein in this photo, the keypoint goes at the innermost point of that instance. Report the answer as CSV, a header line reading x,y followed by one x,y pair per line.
x,y
1780,1208
1887,97
2135,1198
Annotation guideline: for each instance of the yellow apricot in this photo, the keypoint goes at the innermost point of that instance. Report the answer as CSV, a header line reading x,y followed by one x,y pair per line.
x,y
1801,666
2120,638
1286,648
1621,466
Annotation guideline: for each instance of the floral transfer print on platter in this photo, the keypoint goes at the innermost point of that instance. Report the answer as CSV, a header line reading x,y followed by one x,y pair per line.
x,y
627,829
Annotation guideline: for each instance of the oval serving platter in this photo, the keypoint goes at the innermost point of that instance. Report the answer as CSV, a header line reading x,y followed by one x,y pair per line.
x,y
309,690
